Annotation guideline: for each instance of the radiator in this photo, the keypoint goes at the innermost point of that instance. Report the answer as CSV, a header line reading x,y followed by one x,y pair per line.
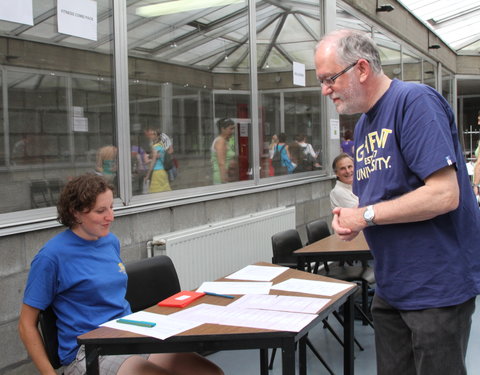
x,y
211,251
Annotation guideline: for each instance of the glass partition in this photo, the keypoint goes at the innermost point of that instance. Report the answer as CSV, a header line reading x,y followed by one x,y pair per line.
x,y
412,67
188,69
390,55
289,95
468,92
447,84
57,106
429,74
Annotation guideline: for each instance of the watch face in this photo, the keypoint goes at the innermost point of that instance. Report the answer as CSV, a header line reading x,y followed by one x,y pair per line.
x,y
368,215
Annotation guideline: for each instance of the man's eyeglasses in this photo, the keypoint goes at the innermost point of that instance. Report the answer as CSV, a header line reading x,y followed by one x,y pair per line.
x,y
330,81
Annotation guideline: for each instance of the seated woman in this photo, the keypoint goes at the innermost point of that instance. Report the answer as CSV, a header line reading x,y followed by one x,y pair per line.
x,y
80,274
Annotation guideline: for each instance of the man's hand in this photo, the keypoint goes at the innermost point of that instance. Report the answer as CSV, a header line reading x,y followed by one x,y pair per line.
x,y
348,222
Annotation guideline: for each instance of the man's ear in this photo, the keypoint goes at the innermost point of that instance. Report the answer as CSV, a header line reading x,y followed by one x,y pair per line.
x,y
365,69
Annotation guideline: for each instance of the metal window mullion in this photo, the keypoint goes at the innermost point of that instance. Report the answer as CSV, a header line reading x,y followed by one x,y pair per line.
x,y
122,111
252,30
6,120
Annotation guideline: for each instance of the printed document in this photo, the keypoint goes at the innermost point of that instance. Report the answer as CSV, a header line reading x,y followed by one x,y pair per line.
x,y
165,326
322,288
257,273
232,287
253,318
309,305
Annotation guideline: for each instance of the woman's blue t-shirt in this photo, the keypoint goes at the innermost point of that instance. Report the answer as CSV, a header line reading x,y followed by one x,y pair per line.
x,y
84,281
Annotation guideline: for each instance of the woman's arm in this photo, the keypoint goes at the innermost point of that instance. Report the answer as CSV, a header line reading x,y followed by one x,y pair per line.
x,y
221,151
30,335
153,160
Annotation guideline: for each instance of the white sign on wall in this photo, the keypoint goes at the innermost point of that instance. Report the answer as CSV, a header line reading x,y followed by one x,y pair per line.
x,y
334,129
77,18
20,11
298,74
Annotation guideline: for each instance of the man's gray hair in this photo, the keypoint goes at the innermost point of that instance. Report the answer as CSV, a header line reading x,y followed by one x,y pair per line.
x,y
352,45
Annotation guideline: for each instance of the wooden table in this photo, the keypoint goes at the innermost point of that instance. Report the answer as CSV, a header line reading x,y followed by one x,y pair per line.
x,y
332,248
213,337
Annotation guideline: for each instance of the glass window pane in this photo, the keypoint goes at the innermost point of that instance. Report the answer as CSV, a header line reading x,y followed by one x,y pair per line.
x,y
290,113
390,55
429,74
412,67
188,69
59,106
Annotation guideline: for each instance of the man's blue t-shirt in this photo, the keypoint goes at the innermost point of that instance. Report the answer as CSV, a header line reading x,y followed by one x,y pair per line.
x,y
409,134
84,281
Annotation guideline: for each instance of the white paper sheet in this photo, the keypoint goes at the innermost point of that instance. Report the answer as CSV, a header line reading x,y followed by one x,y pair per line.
x,y
257,273
253,318
232,287
322,288
309,305
166,325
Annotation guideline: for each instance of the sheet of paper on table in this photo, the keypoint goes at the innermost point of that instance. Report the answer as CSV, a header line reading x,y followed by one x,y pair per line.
x,y
309,305
166,325
254,318
257,273
322,288
233,287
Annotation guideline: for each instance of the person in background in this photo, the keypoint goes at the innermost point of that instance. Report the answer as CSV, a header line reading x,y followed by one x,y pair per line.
x,y
309,155
223,157
286,162
271,151
416,209
140,162
342,194
156,174
347,145
106,163
80,274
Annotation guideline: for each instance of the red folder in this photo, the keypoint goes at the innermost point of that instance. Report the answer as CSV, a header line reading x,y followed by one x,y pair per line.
x,y
181,299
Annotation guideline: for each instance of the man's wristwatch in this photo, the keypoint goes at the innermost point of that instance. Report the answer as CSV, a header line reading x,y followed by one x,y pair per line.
x,y
369,215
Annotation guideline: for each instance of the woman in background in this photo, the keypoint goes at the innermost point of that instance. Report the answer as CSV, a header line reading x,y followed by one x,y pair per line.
x,y
80,274
223,157
157,174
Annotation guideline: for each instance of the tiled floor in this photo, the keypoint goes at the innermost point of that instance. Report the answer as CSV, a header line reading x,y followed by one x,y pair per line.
x,y
247,362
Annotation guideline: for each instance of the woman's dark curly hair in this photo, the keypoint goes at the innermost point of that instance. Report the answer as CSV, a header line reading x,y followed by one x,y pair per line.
x,y
80,195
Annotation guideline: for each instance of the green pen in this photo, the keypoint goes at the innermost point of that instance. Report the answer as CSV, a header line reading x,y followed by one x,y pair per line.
x,y
139,323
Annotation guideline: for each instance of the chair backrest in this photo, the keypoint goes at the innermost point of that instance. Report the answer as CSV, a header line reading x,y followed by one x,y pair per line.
x,y
150,280
316,230
283,245
47,321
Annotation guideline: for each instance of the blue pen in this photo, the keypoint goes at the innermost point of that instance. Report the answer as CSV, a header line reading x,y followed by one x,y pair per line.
x,y
218,295
139,323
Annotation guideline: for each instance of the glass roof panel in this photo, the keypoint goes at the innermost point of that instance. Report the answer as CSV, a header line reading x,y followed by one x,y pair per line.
x,y
452,21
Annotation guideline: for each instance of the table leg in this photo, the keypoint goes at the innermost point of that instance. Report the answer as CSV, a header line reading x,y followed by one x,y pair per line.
x,y
288,357
302,355
348,336
91,359
263,361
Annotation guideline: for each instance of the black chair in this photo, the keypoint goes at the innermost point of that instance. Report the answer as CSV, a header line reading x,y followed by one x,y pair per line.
x,y
47,321
150,280
362,274
316,230
283,245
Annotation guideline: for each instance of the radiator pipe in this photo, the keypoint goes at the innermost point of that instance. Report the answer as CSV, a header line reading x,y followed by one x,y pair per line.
x,y
151,244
